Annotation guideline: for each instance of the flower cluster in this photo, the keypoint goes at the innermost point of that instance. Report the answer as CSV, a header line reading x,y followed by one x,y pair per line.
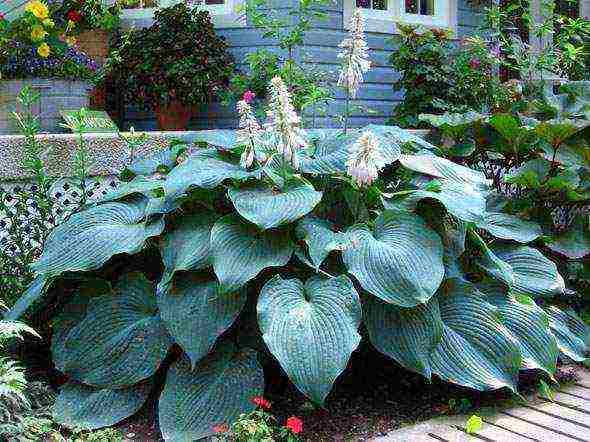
x,y
249,132
365,159
355,56
283,122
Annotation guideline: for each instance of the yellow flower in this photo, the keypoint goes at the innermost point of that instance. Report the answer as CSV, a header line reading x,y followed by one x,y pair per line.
x,y
43,50
38,9
48,23
71,41
38,33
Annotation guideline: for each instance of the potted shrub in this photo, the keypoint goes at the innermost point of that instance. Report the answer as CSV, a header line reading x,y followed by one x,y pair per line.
x,y
173,65
37,52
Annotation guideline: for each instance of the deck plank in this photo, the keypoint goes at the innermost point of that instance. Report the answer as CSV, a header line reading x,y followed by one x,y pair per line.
x,y
500,434
558,425
582,392
532,431
557,410
572,401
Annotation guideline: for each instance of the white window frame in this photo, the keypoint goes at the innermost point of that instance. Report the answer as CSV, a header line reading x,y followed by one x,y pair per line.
x,y
384,21
223,16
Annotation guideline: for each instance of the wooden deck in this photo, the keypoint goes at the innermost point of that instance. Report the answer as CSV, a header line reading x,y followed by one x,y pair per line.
x,y
566,419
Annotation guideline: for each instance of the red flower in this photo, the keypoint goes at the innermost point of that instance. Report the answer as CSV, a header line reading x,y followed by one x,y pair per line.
x,y
2,17
74,16
221,428
295,425
260,402
248,96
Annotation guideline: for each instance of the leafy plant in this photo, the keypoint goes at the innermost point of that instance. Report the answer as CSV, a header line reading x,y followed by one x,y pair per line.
x,y
86,15
304,243
145,69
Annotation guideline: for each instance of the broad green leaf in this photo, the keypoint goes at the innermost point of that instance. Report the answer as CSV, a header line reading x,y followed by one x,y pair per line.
x,y
495,267
196,314
509,227
574,243
465,203
399,136
268,208
34,292
476,350
534,274
474,424
444,169
216,392
407,335
457,335
90,238
206,169
452,120
399,262
147,186
545,391
121,339
530,174
240,251
149,165
224,138
529,325
311,328
508,126
320,237
556,131
571,333
81,406
186,246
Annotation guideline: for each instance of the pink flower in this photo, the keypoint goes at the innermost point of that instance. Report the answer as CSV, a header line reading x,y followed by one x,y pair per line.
x,y
295,425
249,97
475,63
221,428
260,402
2,17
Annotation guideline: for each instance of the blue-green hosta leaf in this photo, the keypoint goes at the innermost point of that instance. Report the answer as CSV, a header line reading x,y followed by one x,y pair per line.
x,y
196,314
121,339
476,350
452,119
509,227
240,251
399,136
90,238
457,335
206,169
463,202
81,406
490,263
268,208
571,333
407,335
574,243
224,138
534,274
444,169
320,237
186,246
311,329
34,292
216,392
401,261
149,165
529,325
150,187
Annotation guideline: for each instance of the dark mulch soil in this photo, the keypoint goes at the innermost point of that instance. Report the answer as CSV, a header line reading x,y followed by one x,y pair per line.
x,y
373,397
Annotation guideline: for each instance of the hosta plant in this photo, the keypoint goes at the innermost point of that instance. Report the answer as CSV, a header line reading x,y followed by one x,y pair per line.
x,y
280,241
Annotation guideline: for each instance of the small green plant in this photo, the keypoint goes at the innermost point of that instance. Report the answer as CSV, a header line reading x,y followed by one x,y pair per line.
x,y
474,424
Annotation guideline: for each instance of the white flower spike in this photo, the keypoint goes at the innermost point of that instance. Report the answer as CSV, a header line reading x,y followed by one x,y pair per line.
x,y
365,159
355,55
249,133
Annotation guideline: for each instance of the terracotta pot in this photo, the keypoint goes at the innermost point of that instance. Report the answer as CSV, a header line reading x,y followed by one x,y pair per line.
x,y
174,116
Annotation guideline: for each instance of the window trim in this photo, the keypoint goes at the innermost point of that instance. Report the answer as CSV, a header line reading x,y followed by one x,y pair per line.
x,y
223,16
384,21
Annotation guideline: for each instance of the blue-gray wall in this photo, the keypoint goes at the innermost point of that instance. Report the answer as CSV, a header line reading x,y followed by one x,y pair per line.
x,y
376,99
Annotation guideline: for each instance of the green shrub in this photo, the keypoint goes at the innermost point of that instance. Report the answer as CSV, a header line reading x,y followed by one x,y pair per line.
x,y
179,57
290,255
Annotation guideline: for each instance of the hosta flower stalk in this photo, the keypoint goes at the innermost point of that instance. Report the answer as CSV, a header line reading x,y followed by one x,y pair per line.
x,y
365,159
283,123
249,134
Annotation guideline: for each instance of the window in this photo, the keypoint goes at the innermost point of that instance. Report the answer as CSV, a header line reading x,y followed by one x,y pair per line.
x,y
223,12
381,14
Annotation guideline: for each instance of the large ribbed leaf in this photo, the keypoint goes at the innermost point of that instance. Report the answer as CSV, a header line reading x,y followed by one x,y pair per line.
x,y
89,238
224,138
528,324
442,168
186,246
268,208
461,201
311,329
240,251
510,227
573,243
34,292
81,406
216,392
196,314
121,340
490,263
149,165
205,169
401,261
476,350
320,237
150,187
458,336
407,335
534,274
571,333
